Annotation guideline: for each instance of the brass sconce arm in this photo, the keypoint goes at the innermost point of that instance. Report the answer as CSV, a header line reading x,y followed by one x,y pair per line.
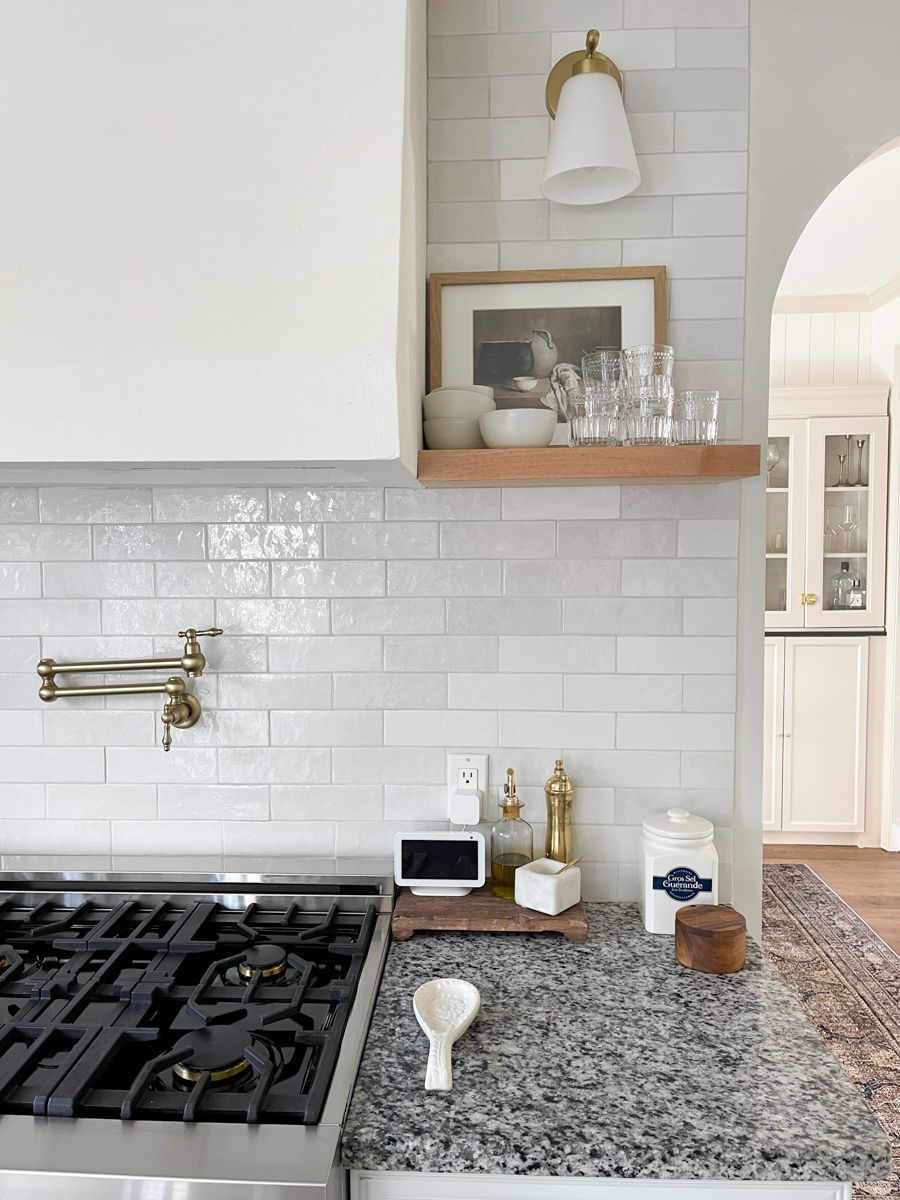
x,y
181,709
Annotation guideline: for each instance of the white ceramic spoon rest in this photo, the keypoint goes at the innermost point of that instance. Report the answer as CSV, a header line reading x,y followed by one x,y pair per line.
x,y
445,1008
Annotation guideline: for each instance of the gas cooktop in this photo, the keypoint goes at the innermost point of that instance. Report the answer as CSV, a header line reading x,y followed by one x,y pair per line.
x,y
170,1007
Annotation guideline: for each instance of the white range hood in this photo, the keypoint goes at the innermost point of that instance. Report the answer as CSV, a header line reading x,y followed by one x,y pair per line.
x,y
211,239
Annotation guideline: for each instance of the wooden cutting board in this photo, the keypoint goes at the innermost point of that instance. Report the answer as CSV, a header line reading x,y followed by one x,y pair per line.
x,y
481,912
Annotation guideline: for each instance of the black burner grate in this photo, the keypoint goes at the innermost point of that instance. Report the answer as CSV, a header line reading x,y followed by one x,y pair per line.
x,y
95,998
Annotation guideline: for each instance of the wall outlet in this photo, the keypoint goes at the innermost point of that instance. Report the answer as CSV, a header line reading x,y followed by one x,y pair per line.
x,y
467,780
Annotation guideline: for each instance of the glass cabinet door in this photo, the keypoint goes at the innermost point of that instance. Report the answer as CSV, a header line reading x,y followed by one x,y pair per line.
x,y
785,523
846,539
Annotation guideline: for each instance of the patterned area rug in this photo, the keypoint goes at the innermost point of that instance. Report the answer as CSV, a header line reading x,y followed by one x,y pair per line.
x,y
848,982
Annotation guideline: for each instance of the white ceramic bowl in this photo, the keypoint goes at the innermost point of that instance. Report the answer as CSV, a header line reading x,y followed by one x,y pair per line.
x,y
450,403
525,383
465,387
454,433
518,427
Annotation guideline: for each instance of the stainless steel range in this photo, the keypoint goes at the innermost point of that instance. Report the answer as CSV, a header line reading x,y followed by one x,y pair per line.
x,y
183,1037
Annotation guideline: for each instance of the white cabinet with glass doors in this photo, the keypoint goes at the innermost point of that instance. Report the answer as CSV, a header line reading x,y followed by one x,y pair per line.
x,y
826,504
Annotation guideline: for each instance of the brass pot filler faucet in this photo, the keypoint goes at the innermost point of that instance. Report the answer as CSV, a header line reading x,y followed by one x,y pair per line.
x,y
181,709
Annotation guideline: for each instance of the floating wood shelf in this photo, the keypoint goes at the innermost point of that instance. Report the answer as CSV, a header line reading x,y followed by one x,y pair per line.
x,y
559,466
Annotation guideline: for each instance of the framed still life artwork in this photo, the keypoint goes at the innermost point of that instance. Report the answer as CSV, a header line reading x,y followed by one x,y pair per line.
x,y
524,333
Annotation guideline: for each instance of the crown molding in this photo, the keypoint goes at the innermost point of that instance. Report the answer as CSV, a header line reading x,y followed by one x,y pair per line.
x,y
843,302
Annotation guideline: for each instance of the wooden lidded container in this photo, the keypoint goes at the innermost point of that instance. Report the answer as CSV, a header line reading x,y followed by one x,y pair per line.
x,y
710,938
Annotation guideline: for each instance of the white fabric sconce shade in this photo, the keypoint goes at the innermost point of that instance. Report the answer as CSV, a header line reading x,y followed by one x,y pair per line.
x,y
591,156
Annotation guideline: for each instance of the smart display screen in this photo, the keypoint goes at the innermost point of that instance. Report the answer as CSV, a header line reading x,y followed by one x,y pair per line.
x,y
424,859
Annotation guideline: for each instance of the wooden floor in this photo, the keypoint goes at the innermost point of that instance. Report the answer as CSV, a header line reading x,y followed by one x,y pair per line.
x,y
866,879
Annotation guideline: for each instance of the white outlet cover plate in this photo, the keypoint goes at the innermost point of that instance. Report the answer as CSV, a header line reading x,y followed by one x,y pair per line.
x,y
456,762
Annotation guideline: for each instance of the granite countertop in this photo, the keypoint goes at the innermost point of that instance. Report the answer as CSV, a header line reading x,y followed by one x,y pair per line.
x,y
610,1060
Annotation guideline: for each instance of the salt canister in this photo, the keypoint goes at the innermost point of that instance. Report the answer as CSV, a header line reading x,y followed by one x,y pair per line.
x,y
679,866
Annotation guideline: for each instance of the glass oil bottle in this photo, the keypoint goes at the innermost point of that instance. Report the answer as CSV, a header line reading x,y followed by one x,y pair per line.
x,y
512,842
558,790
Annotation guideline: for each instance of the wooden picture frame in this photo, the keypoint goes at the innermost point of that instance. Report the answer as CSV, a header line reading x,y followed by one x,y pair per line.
x,y
438,282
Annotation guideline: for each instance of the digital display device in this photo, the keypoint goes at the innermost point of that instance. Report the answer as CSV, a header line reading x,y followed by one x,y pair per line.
x,y
439,864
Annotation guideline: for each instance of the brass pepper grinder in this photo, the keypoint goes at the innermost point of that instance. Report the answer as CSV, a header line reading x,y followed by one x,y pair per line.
x,y
558,790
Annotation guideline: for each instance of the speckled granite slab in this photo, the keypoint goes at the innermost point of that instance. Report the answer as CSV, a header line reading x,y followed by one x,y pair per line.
x,y
607,1059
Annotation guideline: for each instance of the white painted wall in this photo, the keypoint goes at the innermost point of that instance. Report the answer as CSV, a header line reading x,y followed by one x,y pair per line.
x,y
200,231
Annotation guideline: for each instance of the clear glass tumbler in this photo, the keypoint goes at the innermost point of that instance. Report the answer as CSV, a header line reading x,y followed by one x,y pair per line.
x,y
593,416
602,368
646,418
642,362
695,418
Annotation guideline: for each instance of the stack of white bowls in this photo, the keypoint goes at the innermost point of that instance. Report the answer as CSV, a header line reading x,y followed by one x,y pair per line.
x,y
451,416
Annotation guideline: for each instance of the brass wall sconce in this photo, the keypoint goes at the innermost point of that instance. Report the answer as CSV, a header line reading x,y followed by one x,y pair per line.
x,y
181,709
591,157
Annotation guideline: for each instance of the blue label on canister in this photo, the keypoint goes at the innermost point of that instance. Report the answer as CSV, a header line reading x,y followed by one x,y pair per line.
x,y
681,883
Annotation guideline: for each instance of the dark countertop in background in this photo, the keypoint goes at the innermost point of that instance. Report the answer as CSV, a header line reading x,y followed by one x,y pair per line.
x,y
606,1060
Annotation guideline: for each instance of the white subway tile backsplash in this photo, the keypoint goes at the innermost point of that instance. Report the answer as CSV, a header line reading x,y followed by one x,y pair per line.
x,y
567,578
679,577
150,765
87,802
20,653
560,504
709,693
389,764
388,539
272,616
442,504
327,578
271,691
81,505
565,730
20,728
405,802
682,502
675,731
328,504
18,504
20,579
274,764
462,16
227,728
616,539
705,217
154,616
633,804
317,802
98,579
520,179
196,802
522,16
479,180
299,839
63,617
354,838
44,543
652,132
623,693
213,579
710,617
507,614
684,174
265,541
447,653
158,542
326,728
709,340
683,655
647,14
619,768
688,257
677,91
458,578
390,690
456,99
54,837
623,615
707,769
325,654
699,298
500,54
630,49
703,131
502,539
466,729
532,654
166,837
513,220
708,539
77,727
497,691
634,216
491,137
475,256
209,504
516,96
409,616
711,47
533,256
